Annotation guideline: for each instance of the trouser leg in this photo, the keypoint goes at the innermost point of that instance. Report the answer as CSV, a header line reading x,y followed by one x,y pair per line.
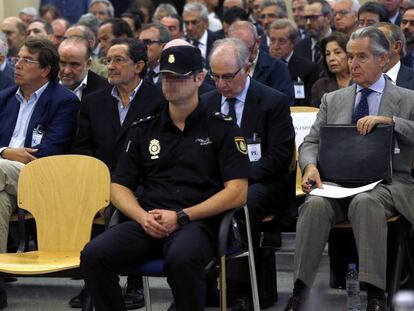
x,y
187,251
9,175
368,213
103,258
317,216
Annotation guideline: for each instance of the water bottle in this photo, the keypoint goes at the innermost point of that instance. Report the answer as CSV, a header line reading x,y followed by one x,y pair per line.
x,y
352,289
404,301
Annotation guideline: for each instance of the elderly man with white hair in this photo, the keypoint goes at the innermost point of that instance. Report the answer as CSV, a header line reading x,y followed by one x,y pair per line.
x,y
346,15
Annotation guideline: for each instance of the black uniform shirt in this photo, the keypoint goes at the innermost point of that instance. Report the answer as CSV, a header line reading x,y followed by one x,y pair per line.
x,y
178,169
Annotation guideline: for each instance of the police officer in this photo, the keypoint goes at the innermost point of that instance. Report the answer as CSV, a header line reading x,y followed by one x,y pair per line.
x,y
192,165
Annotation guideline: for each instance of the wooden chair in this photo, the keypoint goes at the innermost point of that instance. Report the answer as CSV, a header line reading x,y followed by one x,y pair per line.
x,y
63,193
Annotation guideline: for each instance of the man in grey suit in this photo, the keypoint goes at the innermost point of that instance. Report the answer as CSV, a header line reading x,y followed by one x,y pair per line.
x,y
370,102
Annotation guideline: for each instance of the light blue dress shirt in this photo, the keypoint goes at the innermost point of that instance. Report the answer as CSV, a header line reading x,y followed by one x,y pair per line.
x,y
123,110
374,99
239,104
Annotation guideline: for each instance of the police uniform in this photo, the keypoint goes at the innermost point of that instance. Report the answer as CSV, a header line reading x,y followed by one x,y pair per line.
x,y
176,169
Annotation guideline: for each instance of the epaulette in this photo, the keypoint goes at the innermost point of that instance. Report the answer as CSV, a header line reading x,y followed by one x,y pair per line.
x,y
221,116
143,120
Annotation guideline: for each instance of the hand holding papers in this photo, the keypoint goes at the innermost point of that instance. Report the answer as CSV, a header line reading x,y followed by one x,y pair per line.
x,y
338,192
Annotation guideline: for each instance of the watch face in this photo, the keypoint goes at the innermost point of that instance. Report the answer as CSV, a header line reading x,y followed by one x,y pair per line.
x,y
183,218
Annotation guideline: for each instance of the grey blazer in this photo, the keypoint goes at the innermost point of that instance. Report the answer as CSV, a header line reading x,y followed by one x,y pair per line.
x,y
337,108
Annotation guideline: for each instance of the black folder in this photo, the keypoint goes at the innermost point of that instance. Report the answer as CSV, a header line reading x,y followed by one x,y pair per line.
x,y
351,159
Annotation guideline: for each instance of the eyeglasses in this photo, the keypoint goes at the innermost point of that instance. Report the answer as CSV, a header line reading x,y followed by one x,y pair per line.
x,y
23,60
270,15
226,77
406,21
313,18
342,13
149,41
117,60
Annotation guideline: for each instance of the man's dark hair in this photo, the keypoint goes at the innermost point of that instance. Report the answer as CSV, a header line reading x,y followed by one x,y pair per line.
x,y
119,27
375,8
165,35
54,11
135,17
48,28
137,51
48,54
326,7
180,20
234,14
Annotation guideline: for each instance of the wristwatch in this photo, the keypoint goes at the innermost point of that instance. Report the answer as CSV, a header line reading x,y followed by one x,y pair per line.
x,y
182,218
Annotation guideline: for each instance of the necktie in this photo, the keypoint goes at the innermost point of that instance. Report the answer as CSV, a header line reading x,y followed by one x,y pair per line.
x,y
317,55
232,110
150,75
196,43
362,109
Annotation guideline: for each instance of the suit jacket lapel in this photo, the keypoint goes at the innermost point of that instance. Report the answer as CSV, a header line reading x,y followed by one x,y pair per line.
x,y
390,100
341,112
38,111
11,112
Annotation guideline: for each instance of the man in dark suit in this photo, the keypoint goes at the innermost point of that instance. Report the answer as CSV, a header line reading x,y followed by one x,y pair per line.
x,y
271,72
393,10
396,72
407,26
264,117
195,17
283,35
37,119
75,61
106,116
318,15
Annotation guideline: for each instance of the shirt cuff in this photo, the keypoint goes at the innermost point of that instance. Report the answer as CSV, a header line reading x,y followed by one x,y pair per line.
x,y
1,151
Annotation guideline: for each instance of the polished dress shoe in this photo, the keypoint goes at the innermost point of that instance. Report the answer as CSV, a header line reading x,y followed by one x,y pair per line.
x,y
76,302
376,305
294,304
134,297
242,304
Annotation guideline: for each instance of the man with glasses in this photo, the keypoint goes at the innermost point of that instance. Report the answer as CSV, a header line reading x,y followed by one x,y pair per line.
x,y
106,116
74,67
283,36
264,117
271,72
371,13
195,17
193,167
317,15
154,36
298,14
37,119
346,16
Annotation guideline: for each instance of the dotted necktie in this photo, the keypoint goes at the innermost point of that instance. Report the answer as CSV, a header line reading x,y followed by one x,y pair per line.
x,y
362,109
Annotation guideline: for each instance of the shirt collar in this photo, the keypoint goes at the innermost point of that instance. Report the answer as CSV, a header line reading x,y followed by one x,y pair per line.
x,y
242,96
378,86
287,59
191,118
3,66
393,72
203,39
35,96
115,94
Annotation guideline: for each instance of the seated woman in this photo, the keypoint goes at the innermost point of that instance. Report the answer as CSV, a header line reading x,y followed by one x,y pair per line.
x,y
335,61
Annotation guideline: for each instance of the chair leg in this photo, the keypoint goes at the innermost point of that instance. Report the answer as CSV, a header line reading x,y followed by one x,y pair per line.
x,y
399,261
147,298
252,267
223,285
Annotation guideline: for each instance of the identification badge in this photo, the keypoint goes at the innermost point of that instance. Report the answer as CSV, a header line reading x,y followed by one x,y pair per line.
x,y
254,149
37,136
299,89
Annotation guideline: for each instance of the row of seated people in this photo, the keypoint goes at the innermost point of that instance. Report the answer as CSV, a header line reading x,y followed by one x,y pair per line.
x,y
275,144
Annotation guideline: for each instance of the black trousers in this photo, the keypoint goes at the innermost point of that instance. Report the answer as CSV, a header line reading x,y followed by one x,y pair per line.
x,y
186,252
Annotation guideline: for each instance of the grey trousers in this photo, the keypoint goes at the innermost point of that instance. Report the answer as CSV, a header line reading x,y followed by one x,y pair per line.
x,y
9,175
367,213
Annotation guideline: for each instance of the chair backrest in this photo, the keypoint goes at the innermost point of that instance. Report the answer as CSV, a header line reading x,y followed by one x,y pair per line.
x,y
64,193
302,117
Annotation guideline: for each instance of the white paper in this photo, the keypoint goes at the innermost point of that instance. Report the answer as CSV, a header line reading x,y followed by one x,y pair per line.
x,y
337,192
302,121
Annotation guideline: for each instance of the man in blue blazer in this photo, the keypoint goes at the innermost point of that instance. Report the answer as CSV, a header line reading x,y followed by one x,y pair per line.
x,y
37,119
264,117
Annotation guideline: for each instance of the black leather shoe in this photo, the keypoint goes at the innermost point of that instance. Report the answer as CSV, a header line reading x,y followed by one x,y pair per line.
x,y
242,304
294,304
376,305
134,297
76,302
